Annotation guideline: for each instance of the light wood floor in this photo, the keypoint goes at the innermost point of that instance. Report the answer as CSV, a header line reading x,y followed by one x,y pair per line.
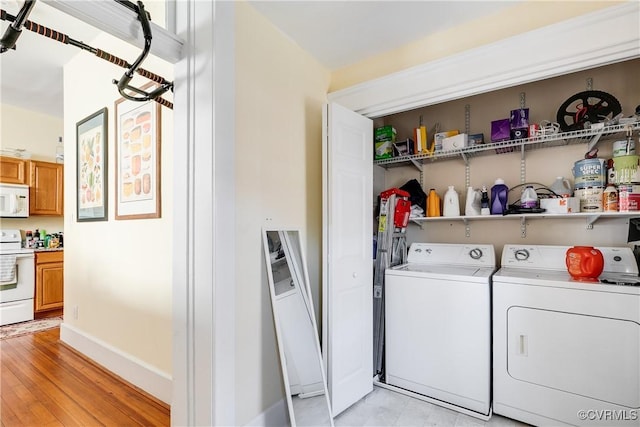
x,y
43,382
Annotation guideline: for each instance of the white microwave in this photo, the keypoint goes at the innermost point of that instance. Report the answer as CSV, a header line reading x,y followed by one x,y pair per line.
x,y
14,201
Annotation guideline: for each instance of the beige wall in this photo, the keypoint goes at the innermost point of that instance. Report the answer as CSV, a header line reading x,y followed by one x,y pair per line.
x,y
519,18
117,273
280,90
38,134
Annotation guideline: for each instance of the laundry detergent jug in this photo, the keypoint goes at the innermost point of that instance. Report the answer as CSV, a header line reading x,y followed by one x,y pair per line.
x,y
499,196
472,204
562,187
584,262
451,204
433,203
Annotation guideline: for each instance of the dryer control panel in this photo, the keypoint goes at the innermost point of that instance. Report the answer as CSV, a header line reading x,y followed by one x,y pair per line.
x,y
452,254
616,260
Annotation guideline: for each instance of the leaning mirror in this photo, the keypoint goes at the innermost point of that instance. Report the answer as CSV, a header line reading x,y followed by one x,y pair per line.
x,y
296,330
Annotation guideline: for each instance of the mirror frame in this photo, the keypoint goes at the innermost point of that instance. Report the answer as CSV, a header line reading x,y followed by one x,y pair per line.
x,y
304,287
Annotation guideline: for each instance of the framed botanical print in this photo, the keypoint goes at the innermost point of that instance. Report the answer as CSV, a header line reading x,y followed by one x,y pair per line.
x,y
91,149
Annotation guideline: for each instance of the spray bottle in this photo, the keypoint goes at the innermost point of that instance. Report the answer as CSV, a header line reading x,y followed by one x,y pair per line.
x,y
484,202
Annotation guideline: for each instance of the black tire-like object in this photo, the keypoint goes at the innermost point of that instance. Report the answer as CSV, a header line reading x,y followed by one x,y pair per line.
x,y
591,106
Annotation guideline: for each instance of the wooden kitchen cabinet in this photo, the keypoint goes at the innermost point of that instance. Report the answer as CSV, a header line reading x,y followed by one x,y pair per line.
x,y
46,188
49,281
13,170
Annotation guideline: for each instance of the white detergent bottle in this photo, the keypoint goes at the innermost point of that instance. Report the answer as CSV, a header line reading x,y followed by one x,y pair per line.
x,y
472,205
451,204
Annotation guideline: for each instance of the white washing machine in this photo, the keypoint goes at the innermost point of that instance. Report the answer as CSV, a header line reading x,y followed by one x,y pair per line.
x,y
566,352
438,325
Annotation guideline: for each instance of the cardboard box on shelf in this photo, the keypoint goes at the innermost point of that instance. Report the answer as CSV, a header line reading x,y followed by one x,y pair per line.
x,y
384,138
455,142
561,205
385,133
440,136
475,139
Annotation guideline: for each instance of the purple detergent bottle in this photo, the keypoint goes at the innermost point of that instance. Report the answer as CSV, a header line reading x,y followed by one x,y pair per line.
x,y
499,197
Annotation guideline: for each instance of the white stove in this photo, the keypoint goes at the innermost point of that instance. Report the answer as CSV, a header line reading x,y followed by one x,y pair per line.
x,y
17,278
565,351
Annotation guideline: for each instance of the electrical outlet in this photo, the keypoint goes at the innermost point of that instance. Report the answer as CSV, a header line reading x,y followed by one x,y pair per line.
x,y
75,312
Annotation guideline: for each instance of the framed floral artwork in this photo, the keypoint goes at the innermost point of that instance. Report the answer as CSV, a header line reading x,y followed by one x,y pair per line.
x,y
91,140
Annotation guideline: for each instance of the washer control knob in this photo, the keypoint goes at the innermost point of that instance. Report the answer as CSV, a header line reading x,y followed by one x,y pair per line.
x,y
354,274
521,254
475,253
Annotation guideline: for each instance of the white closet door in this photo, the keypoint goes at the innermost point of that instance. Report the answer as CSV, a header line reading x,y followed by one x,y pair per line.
x,y
347,255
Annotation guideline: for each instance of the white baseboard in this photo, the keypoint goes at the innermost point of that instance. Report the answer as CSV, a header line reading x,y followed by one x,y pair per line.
x,y
156,383
276,415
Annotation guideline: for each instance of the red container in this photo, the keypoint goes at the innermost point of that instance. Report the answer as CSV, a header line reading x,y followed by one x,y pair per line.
x,y
584,262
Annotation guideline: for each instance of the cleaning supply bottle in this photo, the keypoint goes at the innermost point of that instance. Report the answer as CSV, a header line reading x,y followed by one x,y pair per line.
x,y
529,198
499,197
472,204
433,203
610,199
484,202
561,187
451,205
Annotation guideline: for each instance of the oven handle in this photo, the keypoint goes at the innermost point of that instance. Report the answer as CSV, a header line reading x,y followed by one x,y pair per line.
x,y
12,284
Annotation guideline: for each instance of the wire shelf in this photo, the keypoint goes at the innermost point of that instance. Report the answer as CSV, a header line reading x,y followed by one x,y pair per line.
x,y
585,136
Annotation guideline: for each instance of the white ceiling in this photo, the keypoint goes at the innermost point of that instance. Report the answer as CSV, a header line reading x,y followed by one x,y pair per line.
x,y
336,33
340,33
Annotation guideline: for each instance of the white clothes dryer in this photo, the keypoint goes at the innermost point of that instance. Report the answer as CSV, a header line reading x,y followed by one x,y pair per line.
x,y
438,325
566,352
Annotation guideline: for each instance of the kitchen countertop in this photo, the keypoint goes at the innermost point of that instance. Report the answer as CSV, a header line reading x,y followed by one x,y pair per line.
x,y
48,249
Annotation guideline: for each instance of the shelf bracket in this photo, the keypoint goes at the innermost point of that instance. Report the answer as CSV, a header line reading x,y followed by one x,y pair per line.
x,y
467,228
418,223
594,140
417,164
591,220
590,83
465,158
523,227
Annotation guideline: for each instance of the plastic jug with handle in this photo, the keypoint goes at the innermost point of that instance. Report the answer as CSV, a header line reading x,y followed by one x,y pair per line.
x,y
472,205
584,262
562,187
451,204
499,196
433,203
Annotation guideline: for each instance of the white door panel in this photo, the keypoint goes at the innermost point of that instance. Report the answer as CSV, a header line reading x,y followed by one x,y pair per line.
x,y
347,272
